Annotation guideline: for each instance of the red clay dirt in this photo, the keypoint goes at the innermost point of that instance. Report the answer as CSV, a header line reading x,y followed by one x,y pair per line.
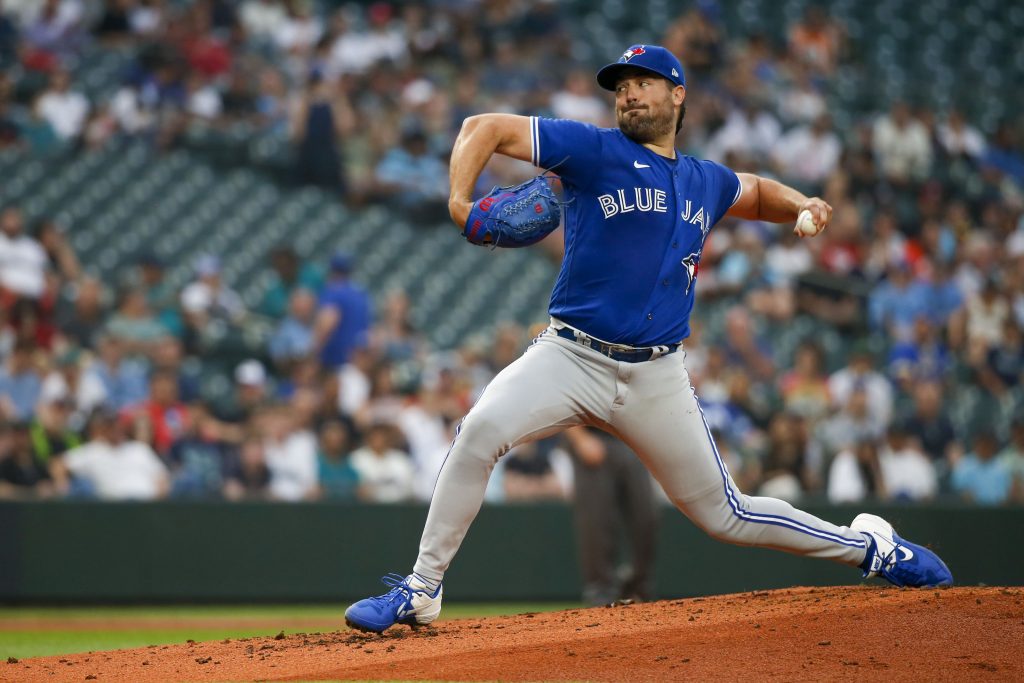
x,y
800,634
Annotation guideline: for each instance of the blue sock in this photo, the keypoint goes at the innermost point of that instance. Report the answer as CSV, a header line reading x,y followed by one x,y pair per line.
x,y
869,555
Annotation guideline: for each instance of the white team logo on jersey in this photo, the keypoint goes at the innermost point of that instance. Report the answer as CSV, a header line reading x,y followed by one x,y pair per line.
x,y
643,199
700,217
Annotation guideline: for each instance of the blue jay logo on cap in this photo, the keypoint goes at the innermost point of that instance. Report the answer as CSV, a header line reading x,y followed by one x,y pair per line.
x,y
632,52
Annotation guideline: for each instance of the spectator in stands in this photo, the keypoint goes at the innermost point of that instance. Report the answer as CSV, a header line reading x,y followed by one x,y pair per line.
x,y
322,119
250,397
71,381
808,154
852,424
290,452
922,357
134,324
209,296
816,41
750,131
287,276
63,108
385,473
908,474
804,389
292,340
1004,154
23,261
902,146
411,177
161,298
395,336
337,477
784,470
343,315
60,256
930,424
1012,458
261,19
20,382
21,474
959,139
198,457
860,374
895,304
164,415
856,474
50,428
530,474
979,477
124,379
111,466
744,347
577,100
1002,368
246,475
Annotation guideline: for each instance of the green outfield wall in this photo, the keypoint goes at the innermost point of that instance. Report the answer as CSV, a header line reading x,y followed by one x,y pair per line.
x,y
239,552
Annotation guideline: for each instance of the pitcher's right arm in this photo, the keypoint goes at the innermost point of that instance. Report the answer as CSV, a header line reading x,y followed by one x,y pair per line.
x,y
479,139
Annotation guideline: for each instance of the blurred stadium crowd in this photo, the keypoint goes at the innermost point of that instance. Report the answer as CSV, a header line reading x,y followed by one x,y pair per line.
x,y
881,360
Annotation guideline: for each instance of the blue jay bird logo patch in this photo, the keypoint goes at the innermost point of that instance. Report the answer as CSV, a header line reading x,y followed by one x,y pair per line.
x,y
692,265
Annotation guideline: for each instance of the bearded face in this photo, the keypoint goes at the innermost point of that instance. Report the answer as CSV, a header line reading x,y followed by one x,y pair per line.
x,y
645,113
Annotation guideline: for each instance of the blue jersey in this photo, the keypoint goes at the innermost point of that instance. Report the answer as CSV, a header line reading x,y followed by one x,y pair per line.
x,y
635,226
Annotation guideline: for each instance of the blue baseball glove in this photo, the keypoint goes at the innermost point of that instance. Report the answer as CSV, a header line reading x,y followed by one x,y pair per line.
x,y
514,216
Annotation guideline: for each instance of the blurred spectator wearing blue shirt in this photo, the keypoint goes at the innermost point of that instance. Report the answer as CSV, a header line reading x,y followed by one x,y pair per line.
x,y
343,317
20,383
414,178
979,477
896,303
293,338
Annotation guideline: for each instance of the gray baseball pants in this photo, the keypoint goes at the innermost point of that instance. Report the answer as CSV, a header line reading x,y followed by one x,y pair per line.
x,y
651,406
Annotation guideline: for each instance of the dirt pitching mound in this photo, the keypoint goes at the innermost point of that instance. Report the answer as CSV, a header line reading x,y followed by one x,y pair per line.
x,y
807,634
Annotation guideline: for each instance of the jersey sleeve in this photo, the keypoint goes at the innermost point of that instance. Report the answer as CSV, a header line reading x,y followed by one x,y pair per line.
x,y
722,188
569,148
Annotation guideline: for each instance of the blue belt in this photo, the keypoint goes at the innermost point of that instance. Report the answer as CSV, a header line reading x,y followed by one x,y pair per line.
x,y
615,351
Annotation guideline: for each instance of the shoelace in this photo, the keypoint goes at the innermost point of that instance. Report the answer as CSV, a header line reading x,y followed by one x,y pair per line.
x,y
889,563
399,589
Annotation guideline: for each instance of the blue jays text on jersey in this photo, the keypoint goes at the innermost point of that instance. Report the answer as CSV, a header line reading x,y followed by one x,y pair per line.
x,y
635,226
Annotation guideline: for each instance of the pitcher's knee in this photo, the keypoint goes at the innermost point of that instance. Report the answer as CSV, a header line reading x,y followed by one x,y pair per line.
x,y
479,438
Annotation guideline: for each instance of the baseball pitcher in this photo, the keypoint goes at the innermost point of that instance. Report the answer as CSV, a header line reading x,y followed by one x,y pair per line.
x,y
637,216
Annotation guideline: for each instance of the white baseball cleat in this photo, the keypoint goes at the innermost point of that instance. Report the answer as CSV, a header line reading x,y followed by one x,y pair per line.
x,y
899,561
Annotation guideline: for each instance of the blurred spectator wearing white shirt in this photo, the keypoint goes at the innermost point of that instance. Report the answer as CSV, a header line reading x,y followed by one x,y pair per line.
x,y
290,454
960,139
902,145
577,101
65,109
262,18
23,261
111,466
750,131
385,473
908,473
809,154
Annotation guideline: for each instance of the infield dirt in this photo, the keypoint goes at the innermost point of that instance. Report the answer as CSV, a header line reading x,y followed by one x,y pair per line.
x,y
800,634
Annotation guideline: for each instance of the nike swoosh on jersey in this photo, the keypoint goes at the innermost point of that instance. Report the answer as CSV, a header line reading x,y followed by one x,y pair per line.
x,y
637,164
907,553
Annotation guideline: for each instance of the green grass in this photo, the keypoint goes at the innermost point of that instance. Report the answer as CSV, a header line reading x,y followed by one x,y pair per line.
x,y
24,643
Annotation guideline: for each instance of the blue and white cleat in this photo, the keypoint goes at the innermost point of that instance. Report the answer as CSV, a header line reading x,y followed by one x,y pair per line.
x,y
900,562
408,602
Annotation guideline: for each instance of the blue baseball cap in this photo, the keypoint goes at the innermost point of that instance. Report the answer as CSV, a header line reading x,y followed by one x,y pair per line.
x,y
653,58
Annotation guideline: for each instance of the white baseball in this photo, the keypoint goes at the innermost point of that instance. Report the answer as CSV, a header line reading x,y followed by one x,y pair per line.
x,y
805,224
